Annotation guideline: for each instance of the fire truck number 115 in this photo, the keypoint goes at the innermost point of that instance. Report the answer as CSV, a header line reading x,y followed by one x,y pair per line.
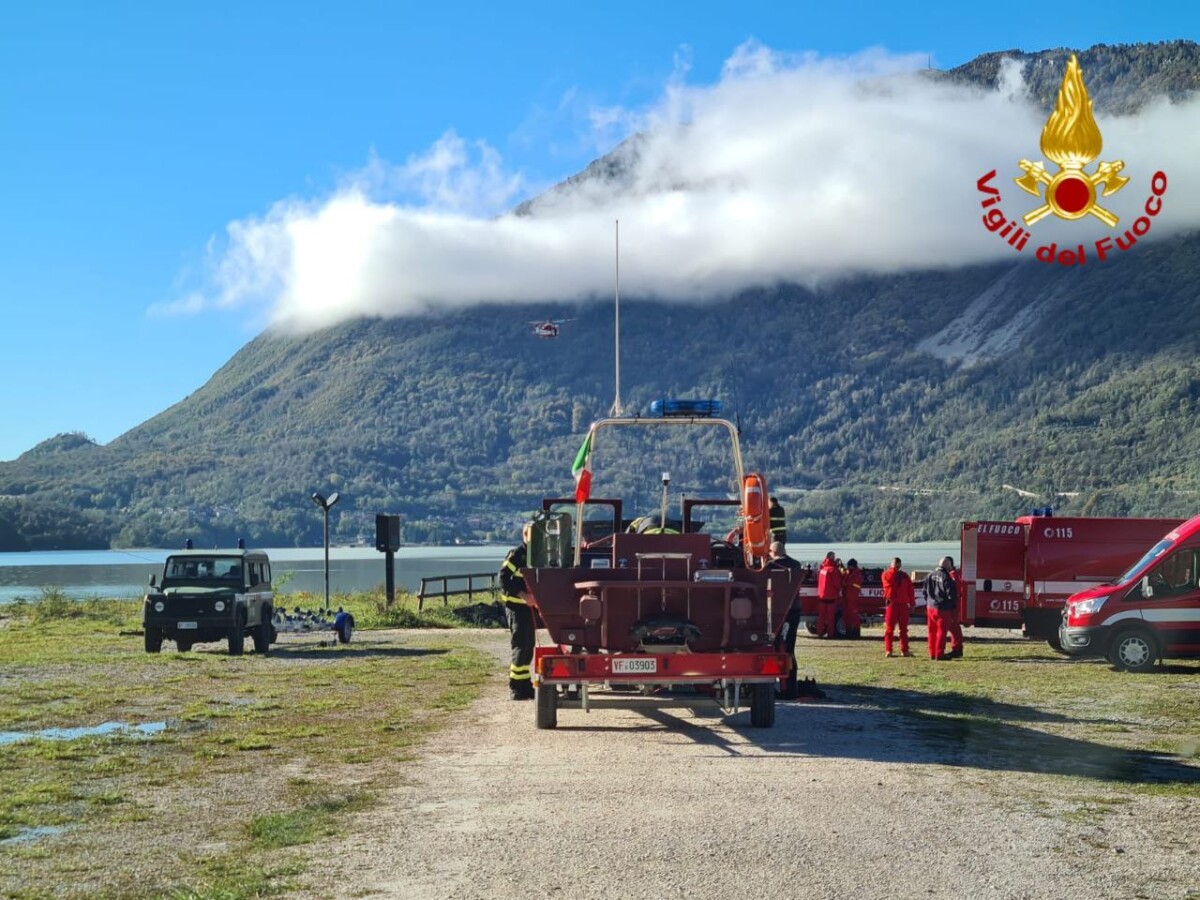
x,y
1058,533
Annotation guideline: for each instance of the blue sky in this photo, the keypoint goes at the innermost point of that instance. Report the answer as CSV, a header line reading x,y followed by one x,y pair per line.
x,y
133,135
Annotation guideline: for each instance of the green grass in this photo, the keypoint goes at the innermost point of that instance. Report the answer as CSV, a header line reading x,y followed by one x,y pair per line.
x,y
287,732
1019,705
318,817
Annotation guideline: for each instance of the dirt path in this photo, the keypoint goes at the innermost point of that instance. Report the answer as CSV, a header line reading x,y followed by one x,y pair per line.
x,y
842,799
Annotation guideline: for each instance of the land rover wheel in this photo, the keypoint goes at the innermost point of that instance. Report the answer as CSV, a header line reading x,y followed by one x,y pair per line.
x,y
154,639
546,703
1134,650
183,645
262,633
762,706
237,636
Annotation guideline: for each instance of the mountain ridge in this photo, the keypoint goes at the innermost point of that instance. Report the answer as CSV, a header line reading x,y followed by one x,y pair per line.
x,y
941,387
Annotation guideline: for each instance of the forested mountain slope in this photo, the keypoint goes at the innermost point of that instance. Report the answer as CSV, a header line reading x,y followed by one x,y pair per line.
x,y
878,407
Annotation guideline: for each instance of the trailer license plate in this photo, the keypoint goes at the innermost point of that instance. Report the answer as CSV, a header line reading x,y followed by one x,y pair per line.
x,y
184,625
635,666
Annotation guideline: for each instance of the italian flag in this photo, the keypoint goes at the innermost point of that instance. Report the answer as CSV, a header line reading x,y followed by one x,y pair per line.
x,y
582,471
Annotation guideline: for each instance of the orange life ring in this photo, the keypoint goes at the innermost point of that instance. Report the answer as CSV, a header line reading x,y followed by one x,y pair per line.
x,y
756,532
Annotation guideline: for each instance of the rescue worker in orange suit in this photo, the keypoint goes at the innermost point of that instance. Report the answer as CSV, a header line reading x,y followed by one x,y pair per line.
x,y
954,624
941,597
520,619
778,519
786,639
899,597
852,580
829,592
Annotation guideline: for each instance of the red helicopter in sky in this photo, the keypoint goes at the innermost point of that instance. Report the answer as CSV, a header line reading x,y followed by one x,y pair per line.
x,y
548,328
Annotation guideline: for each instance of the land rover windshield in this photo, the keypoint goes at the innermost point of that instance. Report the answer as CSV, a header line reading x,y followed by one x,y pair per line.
x,y
190,568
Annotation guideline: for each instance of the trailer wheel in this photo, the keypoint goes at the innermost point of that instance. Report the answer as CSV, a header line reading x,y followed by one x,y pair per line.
x,y
811,626
344,627
546,703
1134,650
762,706
154,639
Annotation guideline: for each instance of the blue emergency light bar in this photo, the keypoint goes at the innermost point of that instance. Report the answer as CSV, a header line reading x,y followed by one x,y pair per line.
x,y
685,408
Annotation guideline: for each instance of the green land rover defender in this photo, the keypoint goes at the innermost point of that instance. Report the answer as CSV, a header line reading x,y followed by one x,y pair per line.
x,y
211,595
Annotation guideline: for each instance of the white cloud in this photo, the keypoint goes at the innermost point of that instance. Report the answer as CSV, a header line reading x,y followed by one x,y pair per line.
x,y
788,168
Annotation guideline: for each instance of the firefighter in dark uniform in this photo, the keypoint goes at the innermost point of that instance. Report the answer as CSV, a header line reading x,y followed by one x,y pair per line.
x,y
520,619
786,639
778,521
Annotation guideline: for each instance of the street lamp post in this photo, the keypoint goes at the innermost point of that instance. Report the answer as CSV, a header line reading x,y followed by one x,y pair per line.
x,y
326,503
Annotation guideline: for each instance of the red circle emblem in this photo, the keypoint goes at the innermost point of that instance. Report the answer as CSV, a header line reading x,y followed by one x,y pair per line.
x,y
1072,195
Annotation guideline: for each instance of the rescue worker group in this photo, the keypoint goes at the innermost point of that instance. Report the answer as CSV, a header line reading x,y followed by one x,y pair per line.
x,y
837,584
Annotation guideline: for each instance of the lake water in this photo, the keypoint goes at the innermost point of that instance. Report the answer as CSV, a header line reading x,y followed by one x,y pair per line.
x,y
124,573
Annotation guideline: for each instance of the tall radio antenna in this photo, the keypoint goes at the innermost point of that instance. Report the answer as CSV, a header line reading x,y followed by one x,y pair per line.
x,y
616,407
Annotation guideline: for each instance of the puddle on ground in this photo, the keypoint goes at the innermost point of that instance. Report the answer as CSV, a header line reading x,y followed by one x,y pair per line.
x,y
71,734
26,835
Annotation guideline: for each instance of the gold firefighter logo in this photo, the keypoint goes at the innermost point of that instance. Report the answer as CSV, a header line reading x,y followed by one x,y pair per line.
x,y
1072,139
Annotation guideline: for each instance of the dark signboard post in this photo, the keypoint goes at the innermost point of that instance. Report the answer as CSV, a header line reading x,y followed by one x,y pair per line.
x,y
387,541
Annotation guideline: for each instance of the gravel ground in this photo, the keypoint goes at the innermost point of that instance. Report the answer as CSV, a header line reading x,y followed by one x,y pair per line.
x,y
838,800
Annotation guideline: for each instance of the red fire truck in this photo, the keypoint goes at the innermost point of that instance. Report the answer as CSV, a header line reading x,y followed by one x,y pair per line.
x,y
1021,573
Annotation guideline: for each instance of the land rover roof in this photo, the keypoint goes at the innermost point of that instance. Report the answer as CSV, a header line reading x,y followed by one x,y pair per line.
x,y
243,554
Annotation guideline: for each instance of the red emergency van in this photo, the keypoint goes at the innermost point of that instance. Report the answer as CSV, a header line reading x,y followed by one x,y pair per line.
x,y
1150,612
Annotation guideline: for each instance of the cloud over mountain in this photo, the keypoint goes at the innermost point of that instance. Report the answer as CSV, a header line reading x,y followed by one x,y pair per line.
x,y
788,168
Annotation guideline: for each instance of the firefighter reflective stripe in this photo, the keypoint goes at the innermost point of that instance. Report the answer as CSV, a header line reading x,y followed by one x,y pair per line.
x,y
512,583
778,525
519,673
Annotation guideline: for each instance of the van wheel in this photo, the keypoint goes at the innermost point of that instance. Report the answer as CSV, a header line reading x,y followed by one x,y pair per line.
x,y
1056,644
1134,650
839,625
